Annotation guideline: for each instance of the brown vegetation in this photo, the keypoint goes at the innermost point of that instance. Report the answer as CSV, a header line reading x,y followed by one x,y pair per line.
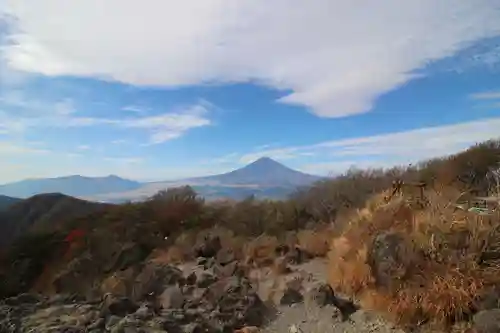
x,y
441,260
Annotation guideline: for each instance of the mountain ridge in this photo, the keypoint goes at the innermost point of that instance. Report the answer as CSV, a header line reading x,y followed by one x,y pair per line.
x,y
38,211
7,201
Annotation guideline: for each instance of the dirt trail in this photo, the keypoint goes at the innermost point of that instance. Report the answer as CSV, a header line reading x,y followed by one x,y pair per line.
x,y
308,317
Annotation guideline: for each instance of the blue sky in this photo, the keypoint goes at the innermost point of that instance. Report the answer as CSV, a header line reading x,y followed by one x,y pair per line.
x,y
162,90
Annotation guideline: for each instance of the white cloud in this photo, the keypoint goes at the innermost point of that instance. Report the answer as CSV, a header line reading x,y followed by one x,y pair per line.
x,y
83,147
385,149
486,95
335,56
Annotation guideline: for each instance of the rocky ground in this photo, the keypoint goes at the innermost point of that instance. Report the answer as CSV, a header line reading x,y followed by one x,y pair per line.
x,y
199,297
217,293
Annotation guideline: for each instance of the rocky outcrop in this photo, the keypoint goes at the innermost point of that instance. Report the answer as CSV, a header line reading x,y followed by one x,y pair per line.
x,y
163,299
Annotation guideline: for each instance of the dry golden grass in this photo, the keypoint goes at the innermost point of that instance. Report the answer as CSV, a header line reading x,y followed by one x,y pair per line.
x,y
446,273
315,242
261,251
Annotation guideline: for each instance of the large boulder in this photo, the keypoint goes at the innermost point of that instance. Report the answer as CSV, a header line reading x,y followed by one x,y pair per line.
x,y
389,256
153,280
487,321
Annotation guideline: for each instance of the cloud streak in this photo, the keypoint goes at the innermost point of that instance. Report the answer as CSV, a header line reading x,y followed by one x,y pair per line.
x,y
486,95
337,64
62,114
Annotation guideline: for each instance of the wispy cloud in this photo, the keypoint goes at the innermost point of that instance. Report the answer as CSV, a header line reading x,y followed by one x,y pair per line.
x,y
83,147
486,95
62,114
135,109
331,65
172,125
10,148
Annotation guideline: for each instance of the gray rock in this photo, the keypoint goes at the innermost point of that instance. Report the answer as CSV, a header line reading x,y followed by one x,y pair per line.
x,y
291,296
321,295
172,298
97,324
389,257
143,312
488,299
111,322
205,280
191,279
487,321
225,256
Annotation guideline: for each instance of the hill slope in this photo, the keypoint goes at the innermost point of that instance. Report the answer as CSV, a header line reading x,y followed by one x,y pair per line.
x,y
6,202
39,211
69,185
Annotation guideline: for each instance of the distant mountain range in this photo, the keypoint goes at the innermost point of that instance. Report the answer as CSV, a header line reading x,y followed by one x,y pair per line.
x,y
264,178
76,186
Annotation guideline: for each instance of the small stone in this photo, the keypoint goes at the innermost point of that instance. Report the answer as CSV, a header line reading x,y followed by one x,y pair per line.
x,y
321,295
143,312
